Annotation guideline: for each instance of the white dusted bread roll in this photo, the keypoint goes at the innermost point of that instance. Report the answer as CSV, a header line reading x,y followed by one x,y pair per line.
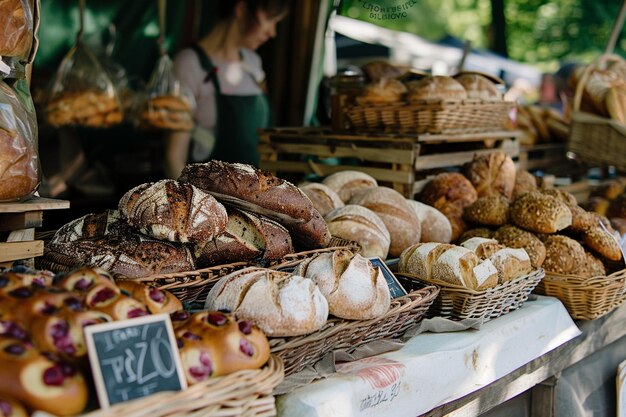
x,y
279,303
324,199
511,264
348,183
361,225
435,226
482,247
355,290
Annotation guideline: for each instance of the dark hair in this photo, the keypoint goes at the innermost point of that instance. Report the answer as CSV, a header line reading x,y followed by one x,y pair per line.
x,y
273,8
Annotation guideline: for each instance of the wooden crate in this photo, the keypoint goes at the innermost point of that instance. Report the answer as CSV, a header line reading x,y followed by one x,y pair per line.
x,y
17,227
398,161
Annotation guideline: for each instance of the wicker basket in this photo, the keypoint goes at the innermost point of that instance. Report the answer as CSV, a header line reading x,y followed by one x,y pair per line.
x,y
586,298
242,393
458,303
339,334
193,286
435,117
594,139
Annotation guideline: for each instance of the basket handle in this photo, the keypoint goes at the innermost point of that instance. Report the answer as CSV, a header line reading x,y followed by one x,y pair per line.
x,y
599,62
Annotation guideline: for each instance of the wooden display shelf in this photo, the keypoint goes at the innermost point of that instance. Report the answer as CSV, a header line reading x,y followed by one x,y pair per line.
x,y
18,221
396,159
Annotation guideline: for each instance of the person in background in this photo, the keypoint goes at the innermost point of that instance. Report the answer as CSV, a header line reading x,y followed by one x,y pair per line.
x,y
226,78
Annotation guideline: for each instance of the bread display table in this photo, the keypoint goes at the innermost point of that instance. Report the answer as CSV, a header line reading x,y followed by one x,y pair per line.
x,y
20,219
398,159
433,369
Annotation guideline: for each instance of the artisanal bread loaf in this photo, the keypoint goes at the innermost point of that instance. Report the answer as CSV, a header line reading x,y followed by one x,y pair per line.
x,y
213,343
601,242
247,236
482,247
476,232
434,225
175,211
563,255
479,87
383,91
396,214
262,193
379,69
157,300
279,303
461,266
491,174
450,193
361,225
324,199
511,264
434,88
348,183
540,213
90,226
513,237
41,384
354,289
488,211
132,255
524,183
418,259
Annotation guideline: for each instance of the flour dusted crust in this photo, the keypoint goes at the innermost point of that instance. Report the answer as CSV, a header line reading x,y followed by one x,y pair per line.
x,y
279,303
419,259
510,263
399,218
348,183
265,191
355,290
361,225
455,266
482,247
174,211
324,199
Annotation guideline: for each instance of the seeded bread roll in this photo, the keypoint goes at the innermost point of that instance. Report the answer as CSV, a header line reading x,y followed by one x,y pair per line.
x,y
564,196
360,225
511,264
488,211
355,290
41,384
593,266
602,243
483,248
433,88
279,303
262,193
213,343
524,182
513,237
477,232
563,255
348,183
157,300
540,213
491,174
479,87
418,259
434,225
396,214
174,211
324,199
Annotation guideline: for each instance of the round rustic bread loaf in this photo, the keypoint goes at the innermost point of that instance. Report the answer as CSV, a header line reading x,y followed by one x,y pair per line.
x,y
436,87
174,211
361,225
348,183
385,90
524,183
513,237
488,211
491,174
90,226
540,213
563,196
355,290
479,87
396,214
279,303
324,199
563,255
434,225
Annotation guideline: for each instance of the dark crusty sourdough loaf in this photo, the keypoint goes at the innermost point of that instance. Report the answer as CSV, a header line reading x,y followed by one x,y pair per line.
x,y
174,211
92,226
247,236
262,193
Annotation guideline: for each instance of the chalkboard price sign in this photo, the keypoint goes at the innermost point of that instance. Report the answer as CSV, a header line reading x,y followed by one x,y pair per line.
x,y
395,288
134,358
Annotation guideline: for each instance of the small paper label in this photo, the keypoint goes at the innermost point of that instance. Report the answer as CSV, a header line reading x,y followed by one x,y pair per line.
x,y
395,288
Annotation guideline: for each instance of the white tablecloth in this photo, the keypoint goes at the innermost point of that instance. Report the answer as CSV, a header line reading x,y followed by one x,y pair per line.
x,y
435,368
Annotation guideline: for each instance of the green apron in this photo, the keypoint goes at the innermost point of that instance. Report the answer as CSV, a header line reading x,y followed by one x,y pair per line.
x,y
238,118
